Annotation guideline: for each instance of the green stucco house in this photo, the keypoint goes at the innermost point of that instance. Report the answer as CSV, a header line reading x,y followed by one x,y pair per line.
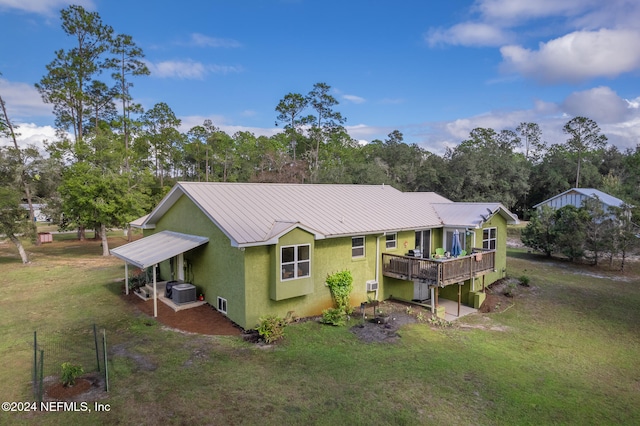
x,y
256,248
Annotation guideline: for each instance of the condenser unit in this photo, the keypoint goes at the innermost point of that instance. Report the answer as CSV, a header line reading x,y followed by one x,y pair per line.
x,y
372,285
183,293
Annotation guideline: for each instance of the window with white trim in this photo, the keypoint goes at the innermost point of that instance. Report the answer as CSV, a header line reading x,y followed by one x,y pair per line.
x,y
295,261
357,246
222,305
489,238
392,240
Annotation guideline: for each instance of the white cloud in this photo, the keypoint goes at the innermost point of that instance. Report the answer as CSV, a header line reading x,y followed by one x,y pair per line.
x,y
469,34
618,119
188,70
518,10
600,104
205,41
23,100
44,7
577,56
634,103
179,69
221,122
31,134
354,99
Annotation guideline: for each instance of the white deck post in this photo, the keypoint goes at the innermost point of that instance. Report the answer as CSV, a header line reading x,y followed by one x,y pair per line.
x,y
155,294
126,278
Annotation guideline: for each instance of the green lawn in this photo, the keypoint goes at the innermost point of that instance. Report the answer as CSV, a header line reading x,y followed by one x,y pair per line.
x,y
565,352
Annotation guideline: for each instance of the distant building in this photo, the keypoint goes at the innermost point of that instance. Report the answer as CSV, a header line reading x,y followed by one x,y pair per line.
x,y
577,196
37,212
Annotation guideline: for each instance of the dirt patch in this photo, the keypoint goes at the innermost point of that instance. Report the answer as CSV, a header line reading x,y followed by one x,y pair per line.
x,y
204,319
89,387
501,294
372,329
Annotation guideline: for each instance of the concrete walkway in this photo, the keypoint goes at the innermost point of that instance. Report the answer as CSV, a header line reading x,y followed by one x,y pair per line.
x,y
451,309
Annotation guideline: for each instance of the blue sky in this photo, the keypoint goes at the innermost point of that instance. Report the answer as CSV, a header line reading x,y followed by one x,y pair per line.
x,y
432,69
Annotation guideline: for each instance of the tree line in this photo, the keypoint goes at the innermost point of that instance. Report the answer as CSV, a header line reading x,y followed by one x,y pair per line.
x,y
588,232
112,161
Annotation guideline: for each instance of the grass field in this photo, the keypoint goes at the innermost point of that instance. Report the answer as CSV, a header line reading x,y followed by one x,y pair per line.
x,y
565,351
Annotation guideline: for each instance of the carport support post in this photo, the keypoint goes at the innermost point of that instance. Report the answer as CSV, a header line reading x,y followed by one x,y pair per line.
x,y
126,278
155,293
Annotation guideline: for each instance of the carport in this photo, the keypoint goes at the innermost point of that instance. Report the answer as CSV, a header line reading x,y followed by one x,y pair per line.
x,y
151,250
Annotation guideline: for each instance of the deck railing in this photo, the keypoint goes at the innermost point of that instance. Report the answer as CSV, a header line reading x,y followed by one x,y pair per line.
x,y
439,272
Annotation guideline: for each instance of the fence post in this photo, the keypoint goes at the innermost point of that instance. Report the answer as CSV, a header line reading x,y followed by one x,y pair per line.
x,y
35,363
41,381
95,341
106,369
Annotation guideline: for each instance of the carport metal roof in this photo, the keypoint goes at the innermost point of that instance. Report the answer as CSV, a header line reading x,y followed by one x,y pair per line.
x,y
155,248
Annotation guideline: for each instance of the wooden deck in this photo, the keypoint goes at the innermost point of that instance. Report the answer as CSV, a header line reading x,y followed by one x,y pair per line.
x,y
439,272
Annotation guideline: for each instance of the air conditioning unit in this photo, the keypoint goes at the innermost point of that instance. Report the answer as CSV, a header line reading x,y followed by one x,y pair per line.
x,y
372,285
183,293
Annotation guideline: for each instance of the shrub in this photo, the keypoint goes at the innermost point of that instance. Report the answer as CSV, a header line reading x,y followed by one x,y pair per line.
x,y
524,280
340,285
334,316
271,328
70,373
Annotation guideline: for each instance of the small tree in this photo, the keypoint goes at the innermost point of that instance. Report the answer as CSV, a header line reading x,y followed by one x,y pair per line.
x,y
539,232
597,227
624,234
13,219
340,285
70,372
570,230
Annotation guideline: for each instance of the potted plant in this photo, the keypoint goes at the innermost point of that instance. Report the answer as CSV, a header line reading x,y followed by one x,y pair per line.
x,y
381,317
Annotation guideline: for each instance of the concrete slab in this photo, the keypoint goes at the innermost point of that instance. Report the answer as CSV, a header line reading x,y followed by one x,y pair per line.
x,y
451,309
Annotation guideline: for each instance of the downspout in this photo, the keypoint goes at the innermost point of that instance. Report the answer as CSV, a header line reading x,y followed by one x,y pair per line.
x,y
155,293
378,261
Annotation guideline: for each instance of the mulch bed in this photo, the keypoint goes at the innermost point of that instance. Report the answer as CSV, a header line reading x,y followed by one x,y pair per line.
x,y
204,319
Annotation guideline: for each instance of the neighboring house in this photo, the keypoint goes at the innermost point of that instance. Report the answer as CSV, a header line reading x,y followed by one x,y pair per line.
x,y
255,249
577,196
39,216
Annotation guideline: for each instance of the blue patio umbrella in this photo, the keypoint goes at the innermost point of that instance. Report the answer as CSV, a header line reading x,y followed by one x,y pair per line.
x,y
456,248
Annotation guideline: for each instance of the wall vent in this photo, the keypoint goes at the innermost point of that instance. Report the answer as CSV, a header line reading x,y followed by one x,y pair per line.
x,y
372,285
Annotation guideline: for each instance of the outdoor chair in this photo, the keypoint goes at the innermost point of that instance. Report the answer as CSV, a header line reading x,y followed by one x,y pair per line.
x,y
439,252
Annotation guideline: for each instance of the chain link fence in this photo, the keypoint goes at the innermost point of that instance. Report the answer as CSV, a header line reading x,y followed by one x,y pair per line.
x,y
83,346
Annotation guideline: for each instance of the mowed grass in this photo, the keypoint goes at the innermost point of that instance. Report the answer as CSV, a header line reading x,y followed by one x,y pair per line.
x,y
565,351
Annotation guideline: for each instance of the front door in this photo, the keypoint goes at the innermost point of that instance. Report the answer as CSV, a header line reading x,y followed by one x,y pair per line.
x,y
423,242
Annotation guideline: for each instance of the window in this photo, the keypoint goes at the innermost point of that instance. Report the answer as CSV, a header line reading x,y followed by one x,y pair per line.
x,y
357,247
222,305
295,261
489,238
392,241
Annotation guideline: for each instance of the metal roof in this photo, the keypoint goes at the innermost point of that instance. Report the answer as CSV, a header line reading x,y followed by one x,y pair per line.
x,y
155,248
259,213
605,198
472,215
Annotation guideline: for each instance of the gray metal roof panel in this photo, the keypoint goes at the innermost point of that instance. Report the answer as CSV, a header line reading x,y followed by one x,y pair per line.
x,y
249,212
607,199
155,248
256,213
471,215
